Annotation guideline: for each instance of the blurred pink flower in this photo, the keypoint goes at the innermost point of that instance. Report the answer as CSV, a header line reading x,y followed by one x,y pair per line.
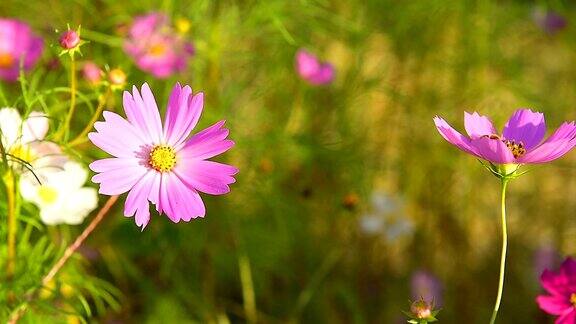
x,y
520,142
156,47
92,73
17,43
312,70
562,289
426,286
159,164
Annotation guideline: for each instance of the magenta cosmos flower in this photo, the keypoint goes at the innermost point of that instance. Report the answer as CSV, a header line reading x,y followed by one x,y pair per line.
x,y
159,164
312,70
519,143
156,47
562,289
17,43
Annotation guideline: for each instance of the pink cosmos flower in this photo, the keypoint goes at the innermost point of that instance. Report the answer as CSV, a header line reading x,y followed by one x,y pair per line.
x,y
562,289
520,142
92,72
160,164
156,47
312,70
17,42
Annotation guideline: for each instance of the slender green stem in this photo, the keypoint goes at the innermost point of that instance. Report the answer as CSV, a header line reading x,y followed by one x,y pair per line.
x,y
503,257
72,95
11,200
247,288
81,137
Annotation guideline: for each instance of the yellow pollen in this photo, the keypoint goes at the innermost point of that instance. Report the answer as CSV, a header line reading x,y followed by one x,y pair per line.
x,y
573,299
6,60
162,158
517,148
157,49
22,152
47,194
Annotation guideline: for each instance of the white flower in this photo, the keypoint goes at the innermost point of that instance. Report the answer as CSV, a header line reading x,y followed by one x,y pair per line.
x,y
61,196
23,141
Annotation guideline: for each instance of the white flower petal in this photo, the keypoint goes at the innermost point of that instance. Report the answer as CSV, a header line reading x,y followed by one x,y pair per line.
x,y
35,127
10,125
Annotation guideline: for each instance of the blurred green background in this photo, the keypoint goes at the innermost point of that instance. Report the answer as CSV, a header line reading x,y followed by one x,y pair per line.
x,y
345,191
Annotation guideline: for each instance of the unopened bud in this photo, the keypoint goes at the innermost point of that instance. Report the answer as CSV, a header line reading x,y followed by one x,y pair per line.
x,y
69,39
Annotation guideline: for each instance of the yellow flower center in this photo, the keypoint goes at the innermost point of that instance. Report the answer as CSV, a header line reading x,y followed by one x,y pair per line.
x,y
6,60
162,158
573,299
517,148
47,194
157,49
22,152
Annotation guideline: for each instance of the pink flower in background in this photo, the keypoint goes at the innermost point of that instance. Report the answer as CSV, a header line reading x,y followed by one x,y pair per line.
x,y
17,43
69,39
312,70
156,47
549,21
92,72
520,142
160,164
425,285
561,287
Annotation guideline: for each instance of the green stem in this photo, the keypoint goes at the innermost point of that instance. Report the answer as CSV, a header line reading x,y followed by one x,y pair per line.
x,y
81,137
503,258
10,182
72,95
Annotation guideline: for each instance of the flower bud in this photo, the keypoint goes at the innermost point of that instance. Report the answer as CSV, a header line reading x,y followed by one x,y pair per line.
x,y
69,39
420,309
117,77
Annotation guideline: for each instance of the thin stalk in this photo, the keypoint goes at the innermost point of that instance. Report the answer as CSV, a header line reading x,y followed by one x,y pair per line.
x,y
247,289
72,95
10,182
81,137
67,254
503,257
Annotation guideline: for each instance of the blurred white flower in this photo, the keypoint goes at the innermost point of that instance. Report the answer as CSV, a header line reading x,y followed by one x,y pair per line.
x,y
61,196
23,141
386,218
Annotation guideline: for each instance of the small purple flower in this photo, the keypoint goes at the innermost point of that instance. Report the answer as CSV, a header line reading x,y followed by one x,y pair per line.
x,y
69,39
311,69
425,285
545,257
549,21
561,287
520,142
156,47
17,43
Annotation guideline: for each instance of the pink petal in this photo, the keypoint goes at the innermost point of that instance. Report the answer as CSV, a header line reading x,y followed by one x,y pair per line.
x,y
493,150
182,115
454,137
207,143
554,305
119,181
569,317
207,176
525,126
477,125
164,199
117,137
137,200
142,111
558,144
185,201
110,164
555,284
